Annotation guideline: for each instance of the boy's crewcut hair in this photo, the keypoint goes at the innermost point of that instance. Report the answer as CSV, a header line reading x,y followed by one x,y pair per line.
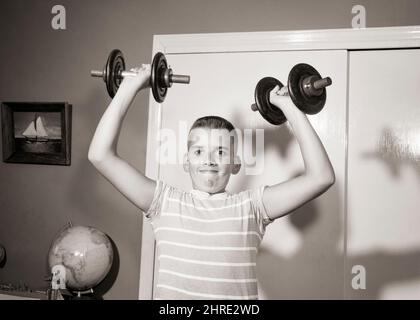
x,y
212,122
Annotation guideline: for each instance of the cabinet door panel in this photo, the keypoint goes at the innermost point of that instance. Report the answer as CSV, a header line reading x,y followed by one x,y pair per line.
x,y
301,255
384,174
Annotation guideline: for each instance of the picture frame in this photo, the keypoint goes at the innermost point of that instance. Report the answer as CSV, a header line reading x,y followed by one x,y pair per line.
x,y
36,132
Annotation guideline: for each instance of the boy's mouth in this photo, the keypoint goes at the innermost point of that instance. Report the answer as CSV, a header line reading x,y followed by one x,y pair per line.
x,y
208,171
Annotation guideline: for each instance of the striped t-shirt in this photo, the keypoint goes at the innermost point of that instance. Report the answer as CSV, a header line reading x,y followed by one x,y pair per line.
x,y
207,244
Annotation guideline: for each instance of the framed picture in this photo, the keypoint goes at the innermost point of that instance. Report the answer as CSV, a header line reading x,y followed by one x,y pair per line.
x,y
37,132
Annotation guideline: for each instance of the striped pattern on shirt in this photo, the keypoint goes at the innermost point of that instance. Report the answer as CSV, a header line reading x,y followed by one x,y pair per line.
x,y
207,244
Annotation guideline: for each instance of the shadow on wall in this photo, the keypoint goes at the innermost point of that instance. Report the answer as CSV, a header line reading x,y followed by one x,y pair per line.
x,y
396,152
315,270
277,138
3,256
383,268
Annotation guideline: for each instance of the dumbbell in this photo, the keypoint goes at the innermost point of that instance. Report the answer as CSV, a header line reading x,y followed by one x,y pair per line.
x,y
305,86
161,77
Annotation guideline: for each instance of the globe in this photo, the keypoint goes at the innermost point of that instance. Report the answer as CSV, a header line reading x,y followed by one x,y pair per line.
x,y
86,254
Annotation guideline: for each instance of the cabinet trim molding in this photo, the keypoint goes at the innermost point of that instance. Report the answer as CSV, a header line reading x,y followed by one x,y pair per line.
x,y
324,39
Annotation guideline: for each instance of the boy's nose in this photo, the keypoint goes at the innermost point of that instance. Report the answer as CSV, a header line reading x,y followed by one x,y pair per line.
x,y
209,160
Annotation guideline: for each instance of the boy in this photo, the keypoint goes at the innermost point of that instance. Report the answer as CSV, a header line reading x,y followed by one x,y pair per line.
x,y
207,239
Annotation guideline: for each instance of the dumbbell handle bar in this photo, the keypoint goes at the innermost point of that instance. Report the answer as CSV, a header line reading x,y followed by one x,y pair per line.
x,y
174,78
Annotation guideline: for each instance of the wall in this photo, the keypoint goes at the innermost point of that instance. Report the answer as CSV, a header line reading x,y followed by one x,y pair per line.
x,y
40,64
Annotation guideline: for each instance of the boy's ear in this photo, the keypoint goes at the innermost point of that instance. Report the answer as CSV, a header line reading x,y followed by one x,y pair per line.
x,y
236,165
186,163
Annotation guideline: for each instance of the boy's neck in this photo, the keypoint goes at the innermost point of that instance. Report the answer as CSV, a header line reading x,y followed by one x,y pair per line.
x,y
201,192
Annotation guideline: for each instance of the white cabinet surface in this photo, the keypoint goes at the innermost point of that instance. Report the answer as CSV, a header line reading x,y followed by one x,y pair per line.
x,y
369,219
384,173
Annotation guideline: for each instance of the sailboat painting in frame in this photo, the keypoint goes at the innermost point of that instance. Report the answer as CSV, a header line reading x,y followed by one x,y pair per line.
x,y
36,132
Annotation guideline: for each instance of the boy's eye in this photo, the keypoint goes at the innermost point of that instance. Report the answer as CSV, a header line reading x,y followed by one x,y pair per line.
x,y
222,153
197,152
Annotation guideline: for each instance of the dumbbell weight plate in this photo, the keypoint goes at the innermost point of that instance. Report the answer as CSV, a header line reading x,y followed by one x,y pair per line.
x,y
306,103
115,65
262,98
157,83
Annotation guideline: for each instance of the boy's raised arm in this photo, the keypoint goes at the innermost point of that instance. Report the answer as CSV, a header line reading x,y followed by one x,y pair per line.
x,y
281,199
133,184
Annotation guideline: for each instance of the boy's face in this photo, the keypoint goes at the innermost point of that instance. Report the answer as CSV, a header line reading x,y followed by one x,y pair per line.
x,y
211,159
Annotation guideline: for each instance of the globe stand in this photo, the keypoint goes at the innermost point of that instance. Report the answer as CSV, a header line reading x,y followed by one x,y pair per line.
x,y
58,294
85,295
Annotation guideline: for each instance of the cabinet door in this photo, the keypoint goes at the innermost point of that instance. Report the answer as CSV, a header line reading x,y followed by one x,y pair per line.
x,y
301,255
384,175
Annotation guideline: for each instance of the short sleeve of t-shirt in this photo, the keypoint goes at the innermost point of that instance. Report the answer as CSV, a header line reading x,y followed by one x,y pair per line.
x,y
161,193
258,208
